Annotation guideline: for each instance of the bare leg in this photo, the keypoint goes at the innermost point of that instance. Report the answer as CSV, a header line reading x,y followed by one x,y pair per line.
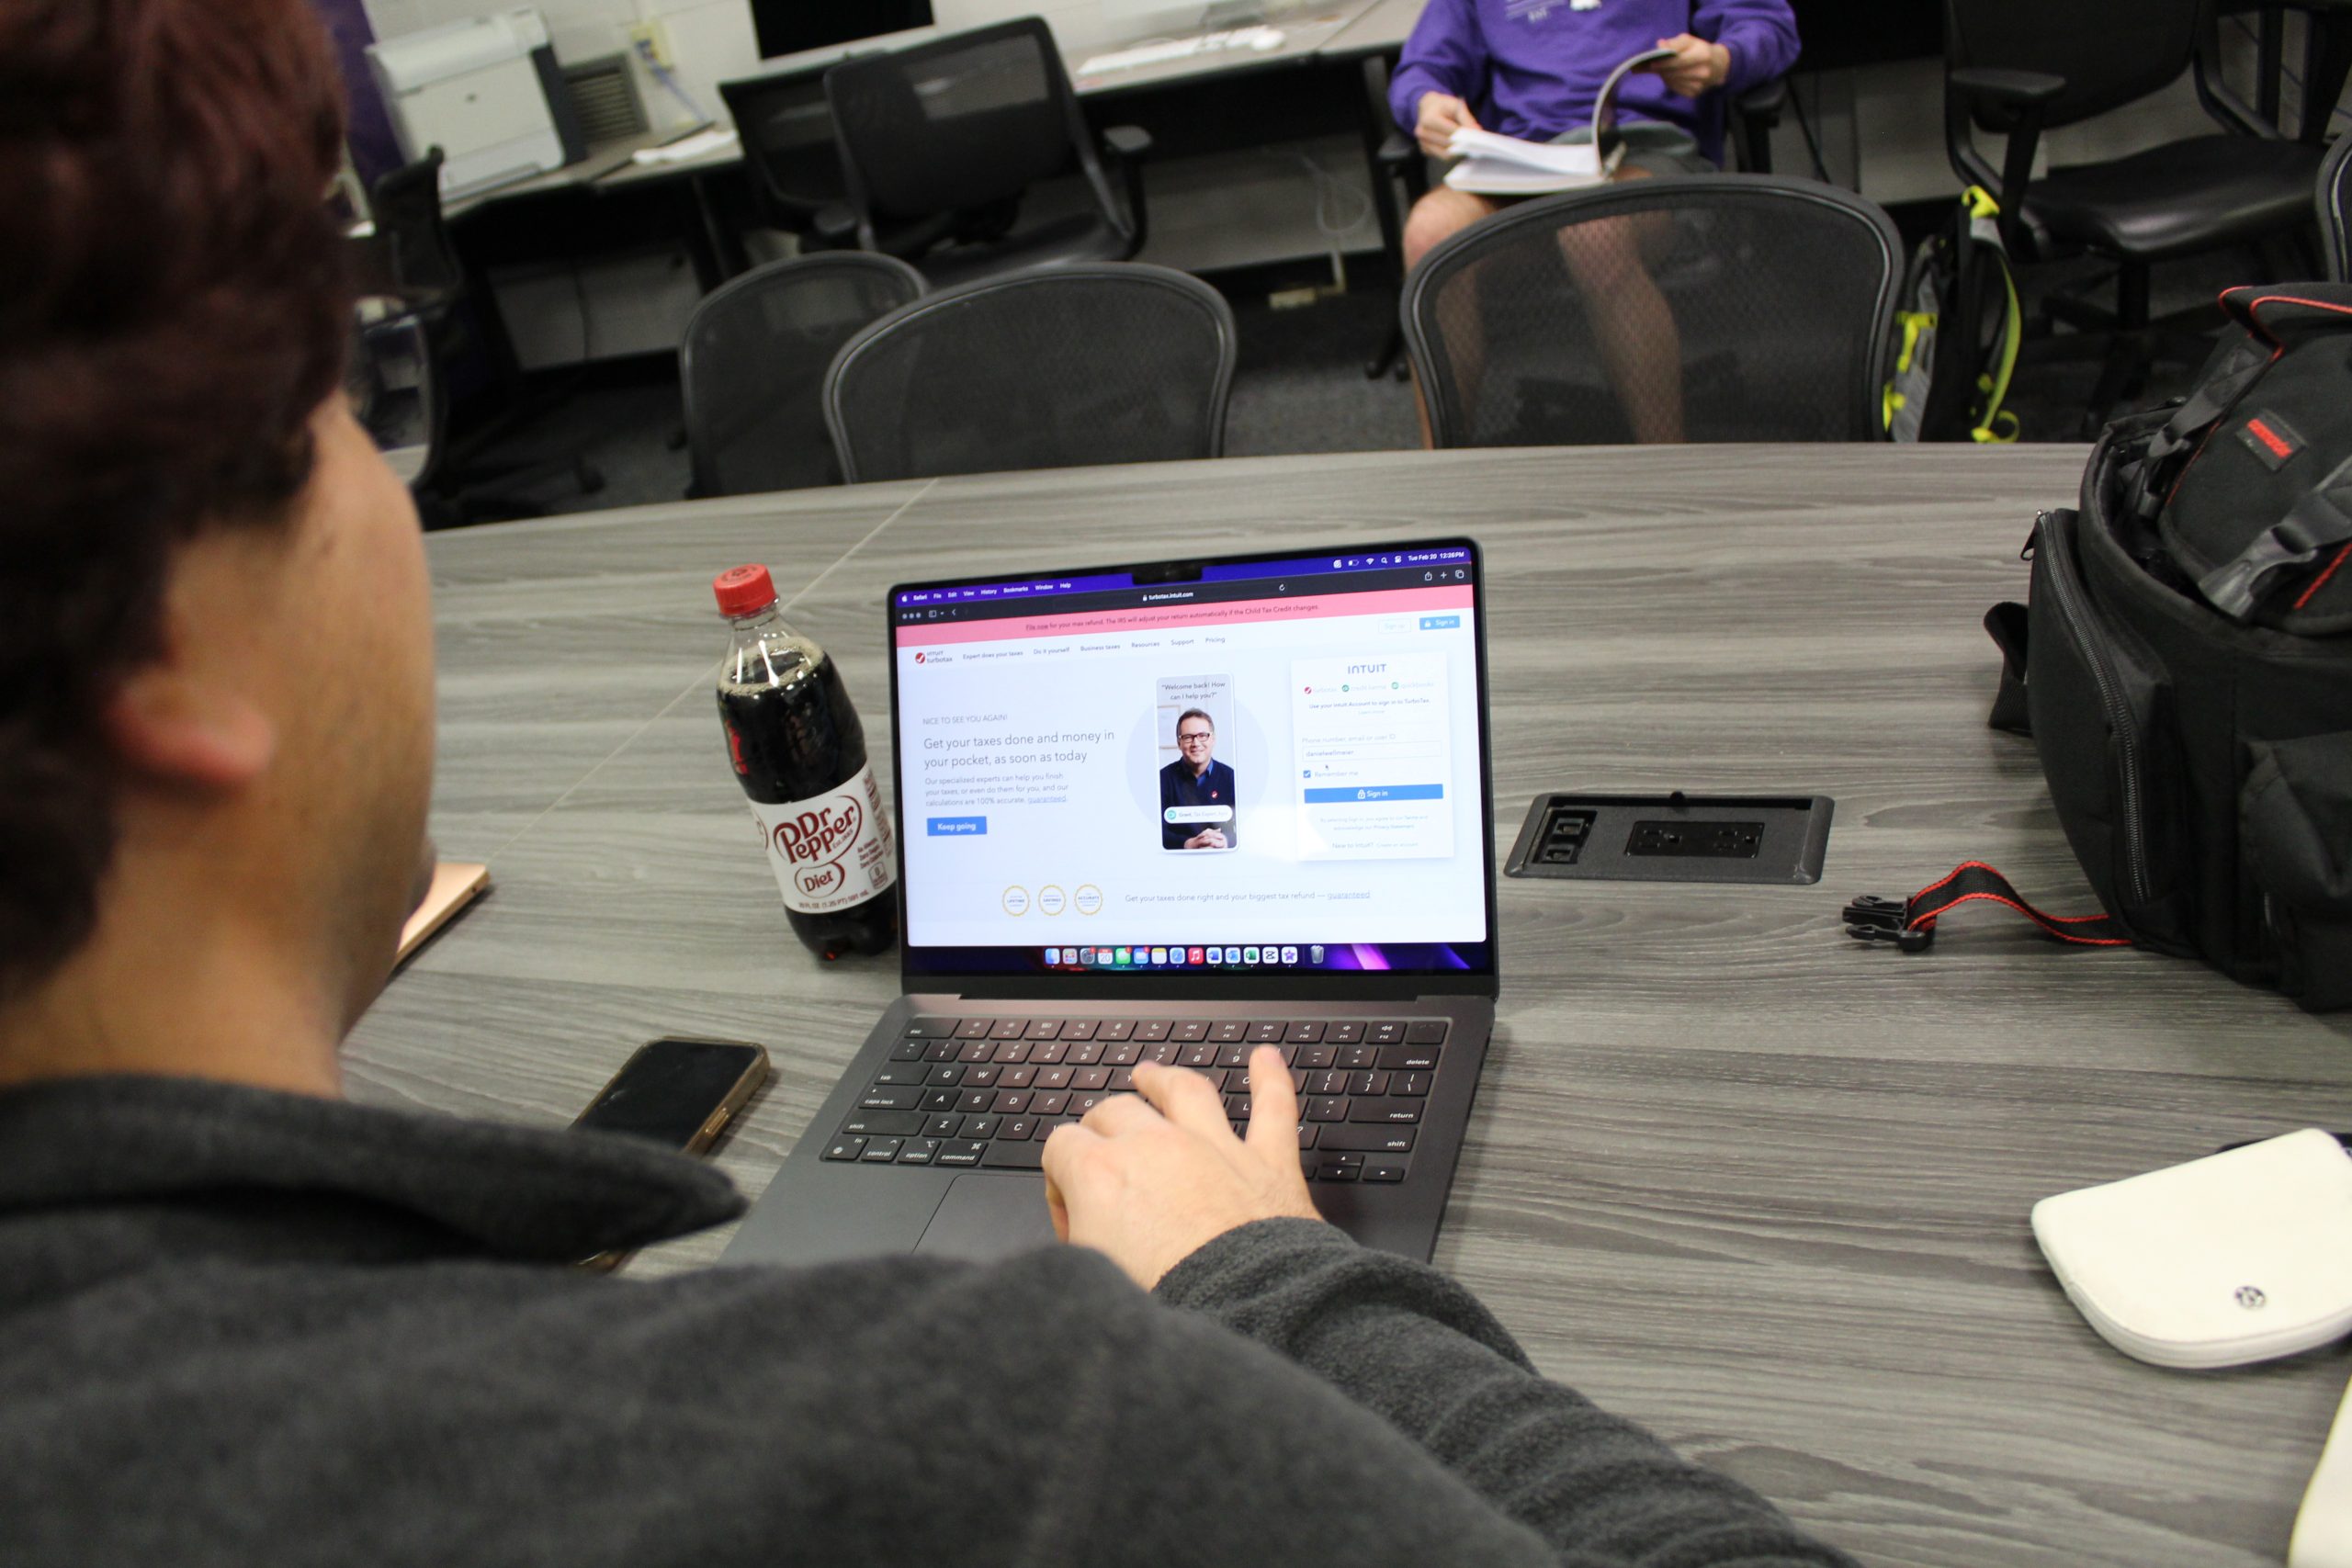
x,y
1640,348
1442,213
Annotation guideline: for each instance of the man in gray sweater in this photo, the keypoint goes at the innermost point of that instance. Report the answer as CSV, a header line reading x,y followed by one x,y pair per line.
x,y
242,1321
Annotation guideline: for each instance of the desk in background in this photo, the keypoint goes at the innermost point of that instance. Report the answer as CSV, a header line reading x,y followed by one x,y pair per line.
x,y
1217,103
1728,1172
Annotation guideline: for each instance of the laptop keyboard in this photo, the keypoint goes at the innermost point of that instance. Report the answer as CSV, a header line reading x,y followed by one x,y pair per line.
x,y
985,1092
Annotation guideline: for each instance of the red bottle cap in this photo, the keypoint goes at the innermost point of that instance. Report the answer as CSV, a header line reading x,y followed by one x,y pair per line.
x,y
744,589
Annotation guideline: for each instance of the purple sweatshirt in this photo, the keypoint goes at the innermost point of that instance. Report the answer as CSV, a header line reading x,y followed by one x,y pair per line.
x,y
1533,68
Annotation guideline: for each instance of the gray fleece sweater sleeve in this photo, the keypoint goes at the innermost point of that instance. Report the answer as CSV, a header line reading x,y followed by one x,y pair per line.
x,y
1413,1346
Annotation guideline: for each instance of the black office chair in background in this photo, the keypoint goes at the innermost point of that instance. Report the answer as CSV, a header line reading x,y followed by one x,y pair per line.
x,y
1051,368
1711,308
956,131
457,484
2018,68
786,130
753,363
2335,188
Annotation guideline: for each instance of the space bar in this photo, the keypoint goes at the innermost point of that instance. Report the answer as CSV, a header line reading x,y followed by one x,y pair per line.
x,y
1016,1156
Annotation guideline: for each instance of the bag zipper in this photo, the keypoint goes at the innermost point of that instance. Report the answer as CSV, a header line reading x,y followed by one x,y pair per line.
x,y
2074,606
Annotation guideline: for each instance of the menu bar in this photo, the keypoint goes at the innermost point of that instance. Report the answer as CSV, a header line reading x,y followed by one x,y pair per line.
x,y
1177,575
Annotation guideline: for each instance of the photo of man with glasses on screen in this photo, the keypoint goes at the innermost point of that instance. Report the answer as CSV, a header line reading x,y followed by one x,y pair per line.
x,y
1194,788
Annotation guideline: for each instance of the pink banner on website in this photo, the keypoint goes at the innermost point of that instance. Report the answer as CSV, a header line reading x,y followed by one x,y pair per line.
x,y
1245,611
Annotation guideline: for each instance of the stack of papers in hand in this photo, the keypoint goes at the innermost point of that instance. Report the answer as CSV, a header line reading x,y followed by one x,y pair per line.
x,y
1504,165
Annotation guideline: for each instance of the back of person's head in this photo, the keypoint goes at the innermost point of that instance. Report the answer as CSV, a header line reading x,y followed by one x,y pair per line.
x,y
173,312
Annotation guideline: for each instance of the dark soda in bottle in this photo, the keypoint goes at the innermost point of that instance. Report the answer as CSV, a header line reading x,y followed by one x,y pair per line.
x,y
799,753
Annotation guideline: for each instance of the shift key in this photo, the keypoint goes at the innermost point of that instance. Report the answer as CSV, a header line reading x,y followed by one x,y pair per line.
x,y
1357,1136
882,1123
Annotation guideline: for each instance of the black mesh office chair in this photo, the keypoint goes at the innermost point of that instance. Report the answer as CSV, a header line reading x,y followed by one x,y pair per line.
x,y
959,127
456,485
1059,368
2335,188
787,129
2018,68
753,366
1711,308
1749,120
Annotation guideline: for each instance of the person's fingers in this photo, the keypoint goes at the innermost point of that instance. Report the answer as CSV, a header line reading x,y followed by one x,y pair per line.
x,y
1119,1115
1067,1149
1057,1210
1274,1106
1184,1098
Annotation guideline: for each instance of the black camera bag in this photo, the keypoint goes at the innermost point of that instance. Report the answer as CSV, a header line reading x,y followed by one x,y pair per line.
x,y
2184,664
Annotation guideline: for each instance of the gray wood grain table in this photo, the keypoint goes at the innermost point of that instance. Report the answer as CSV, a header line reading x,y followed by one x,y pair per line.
x,y
1729,1172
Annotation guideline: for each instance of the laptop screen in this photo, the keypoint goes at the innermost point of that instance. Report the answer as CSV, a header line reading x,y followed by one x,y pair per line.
x,y
1251,765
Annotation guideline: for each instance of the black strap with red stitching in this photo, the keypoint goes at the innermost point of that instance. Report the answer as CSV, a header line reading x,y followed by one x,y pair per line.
x,y
1911,924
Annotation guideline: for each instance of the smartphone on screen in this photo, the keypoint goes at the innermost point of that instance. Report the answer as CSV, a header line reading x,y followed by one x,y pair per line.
x,y
681,1093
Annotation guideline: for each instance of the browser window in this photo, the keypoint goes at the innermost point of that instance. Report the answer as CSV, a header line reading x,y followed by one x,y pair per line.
x,y
1272,764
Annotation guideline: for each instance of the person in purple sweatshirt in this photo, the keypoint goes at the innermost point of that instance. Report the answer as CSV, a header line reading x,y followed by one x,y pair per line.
x,y
1532,68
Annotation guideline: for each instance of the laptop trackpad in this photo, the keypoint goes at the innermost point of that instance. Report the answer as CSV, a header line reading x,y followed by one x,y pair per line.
x,y
985,1218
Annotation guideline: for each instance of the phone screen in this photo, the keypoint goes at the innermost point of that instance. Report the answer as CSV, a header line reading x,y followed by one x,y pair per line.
x,y
669,1088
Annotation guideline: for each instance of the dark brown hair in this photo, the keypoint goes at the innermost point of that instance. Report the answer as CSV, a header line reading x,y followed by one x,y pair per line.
x,y
173,309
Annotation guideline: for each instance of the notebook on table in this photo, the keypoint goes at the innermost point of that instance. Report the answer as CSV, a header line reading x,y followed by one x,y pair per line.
x,y
1168,813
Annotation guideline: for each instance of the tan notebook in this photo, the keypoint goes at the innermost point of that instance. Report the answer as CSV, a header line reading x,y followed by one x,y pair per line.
x,y
454,884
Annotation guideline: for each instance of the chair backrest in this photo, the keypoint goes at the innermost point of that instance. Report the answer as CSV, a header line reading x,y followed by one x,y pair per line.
x,y
1701,308
1114,362
959,123
2335,199
406,206
753,366
788,135
2109,52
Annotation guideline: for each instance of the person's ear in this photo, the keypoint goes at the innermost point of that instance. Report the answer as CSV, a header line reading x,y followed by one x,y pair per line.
x,y
178,723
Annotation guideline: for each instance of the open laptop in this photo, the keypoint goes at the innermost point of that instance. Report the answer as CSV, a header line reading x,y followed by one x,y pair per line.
x,y
1167,813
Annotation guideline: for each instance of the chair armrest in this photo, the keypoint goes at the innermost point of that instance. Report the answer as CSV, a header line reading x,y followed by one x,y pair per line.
x,y
1126,141
1763,102
836,224
2023,97
2011,89
1401,158
1752,116
1127,146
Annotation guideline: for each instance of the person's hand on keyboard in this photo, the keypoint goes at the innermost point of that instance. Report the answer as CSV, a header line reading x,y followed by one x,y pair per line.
x,y
1152,1176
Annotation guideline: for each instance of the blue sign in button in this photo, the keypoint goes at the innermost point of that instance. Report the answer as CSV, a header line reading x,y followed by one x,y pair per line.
x,y
956,826
1440,622
1351,794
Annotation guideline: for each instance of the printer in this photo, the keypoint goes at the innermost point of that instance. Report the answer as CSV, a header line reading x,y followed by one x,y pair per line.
x,y
487,91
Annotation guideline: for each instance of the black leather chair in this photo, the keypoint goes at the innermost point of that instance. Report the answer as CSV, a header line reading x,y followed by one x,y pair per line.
x,y
2018,68
457,484
2335,201
753,363
956,130
1711,308
1050,368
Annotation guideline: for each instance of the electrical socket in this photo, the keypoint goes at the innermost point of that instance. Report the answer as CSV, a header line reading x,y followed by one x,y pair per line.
x,y
1699,840
652,43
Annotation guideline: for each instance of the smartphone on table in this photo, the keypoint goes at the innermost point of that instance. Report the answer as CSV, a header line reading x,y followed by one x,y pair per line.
x,y
680,1093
